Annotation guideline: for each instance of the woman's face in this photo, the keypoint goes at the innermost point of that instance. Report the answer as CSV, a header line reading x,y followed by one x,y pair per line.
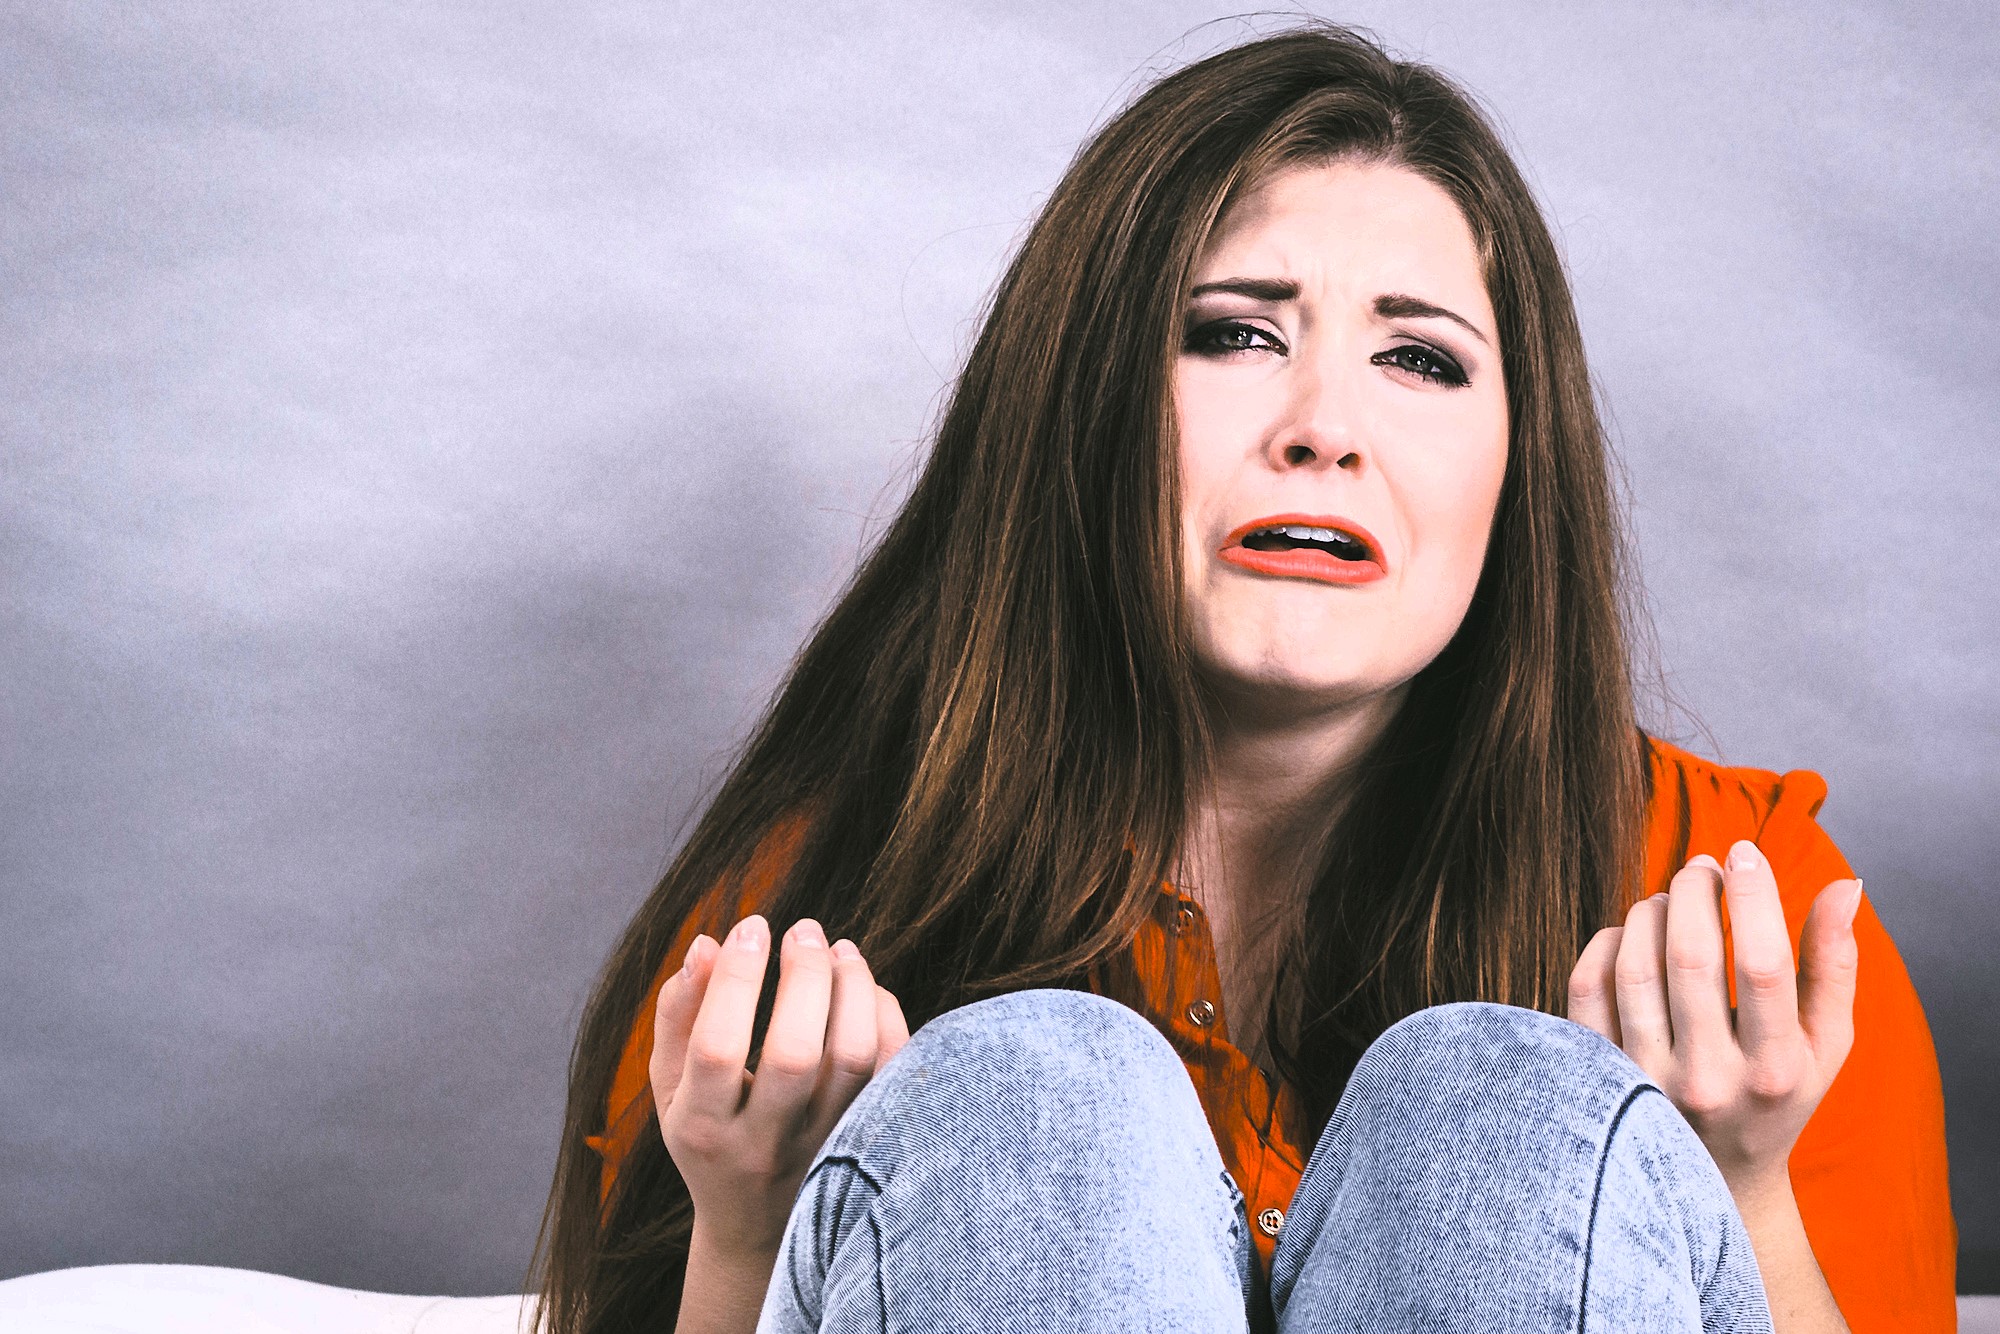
x,y
1343,434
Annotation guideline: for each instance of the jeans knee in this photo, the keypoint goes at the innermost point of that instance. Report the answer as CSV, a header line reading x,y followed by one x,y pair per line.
x,y
1050,1036
1037,1160
1474,1051
1030,1072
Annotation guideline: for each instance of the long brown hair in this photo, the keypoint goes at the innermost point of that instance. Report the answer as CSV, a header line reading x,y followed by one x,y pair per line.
x,y
997,728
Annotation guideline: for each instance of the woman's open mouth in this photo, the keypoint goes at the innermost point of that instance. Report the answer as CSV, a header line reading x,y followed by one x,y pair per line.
x,y
1306,546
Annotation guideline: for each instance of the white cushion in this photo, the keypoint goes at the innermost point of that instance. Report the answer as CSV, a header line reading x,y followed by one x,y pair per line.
x,y
196,1299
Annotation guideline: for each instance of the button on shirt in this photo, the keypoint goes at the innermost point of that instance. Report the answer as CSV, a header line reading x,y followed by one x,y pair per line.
x,y
1257,1127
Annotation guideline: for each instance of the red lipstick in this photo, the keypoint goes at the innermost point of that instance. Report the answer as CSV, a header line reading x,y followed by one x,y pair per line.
x,y
1352,557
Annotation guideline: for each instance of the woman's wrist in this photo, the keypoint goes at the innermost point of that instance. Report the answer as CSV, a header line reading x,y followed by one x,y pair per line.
x,y
1765,1194
1800,1300
724,1288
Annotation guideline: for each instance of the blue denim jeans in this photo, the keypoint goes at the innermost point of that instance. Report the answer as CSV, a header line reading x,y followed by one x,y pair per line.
x,y
1040,1162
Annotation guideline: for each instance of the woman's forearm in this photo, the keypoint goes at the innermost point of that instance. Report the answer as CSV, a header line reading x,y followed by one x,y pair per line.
x,y
1801,1302
724,1290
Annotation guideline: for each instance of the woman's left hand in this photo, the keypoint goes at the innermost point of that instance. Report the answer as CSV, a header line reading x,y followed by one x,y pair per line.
x,y
1659,987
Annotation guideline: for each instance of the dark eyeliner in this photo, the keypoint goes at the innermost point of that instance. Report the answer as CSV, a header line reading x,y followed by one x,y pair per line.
x,y
1448,372
1204,338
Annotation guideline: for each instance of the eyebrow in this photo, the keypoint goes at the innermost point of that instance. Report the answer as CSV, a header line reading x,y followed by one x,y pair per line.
x,y
1390,305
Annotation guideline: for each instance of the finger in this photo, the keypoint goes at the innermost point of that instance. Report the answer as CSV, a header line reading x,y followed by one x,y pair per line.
x,y
1592,994
673,1017
1639,978
788,1065
1697,978
719,1042
892,1030
1767,994
851,1038
1828,962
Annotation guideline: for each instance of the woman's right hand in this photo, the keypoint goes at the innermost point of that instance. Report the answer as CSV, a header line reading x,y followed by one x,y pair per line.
x,y
743,1142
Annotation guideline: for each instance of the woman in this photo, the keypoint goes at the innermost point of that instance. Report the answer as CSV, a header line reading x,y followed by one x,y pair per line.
x,y
1249,654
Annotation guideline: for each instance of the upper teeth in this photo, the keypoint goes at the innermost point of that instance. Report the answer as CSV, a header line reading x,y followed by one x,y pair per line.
x,y
1298,532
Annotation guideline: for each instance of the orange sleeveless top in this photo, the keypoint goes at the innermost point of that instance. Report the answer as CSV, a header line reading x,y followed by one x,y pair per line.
x,y
1868,1171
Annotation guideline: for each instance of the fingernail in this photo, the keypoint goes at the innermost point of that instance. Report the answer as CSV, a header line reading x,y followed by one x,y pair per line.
x,y
697,951
752,933
1703,859
843,949
807,932
1859,890
1743,855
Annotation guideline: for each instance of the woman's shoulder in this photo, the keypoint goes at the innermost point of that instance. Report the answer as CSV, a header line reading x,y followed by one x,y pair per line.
x,y
1699,806
771,858
1737,793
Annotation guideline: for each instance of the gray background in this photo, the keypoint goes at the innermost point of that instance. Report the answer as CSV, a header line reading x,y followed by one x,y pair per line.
x,y
429,428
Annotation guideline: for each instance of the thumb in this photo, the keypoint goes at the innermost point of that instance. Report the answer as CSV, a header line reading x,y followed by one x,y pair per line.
x,y
1827,965
891,1029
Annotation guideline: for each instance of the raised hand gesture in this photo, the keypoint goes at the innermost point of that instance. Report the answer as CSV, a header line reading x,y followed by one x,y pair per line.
x,y
743,1141
1747,1078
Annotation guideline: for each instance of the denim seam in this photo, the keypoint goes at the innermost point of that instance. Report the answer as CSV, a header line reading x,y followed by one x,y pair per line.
x,y
1721,1267
881,1279
874,1232
1239,1234
850,1161
1596,1192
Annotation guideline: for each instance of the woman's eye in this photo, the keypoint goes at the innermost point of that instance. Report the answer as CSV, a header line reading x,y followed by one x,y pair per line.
x,y
1226,336
1426,363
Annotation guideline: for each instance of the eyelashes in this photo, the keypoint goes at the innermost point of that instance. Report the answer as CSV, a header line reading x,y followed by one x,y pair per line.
x,y
1225,337
1425,362
1222,338
1219,338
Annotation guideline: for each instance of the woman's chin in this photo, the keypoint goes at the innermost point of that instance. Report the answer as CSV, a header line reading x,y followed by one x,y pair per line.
x,y
1278,692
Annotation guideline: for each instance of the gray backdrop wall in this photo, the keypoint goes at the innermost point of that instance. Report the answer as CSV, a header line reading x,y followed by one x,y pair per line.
x,y
429,428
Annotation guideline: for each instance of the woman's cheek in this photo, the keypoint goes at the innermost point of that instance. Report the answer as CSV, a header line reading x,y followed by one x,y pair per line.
x,y
1449,541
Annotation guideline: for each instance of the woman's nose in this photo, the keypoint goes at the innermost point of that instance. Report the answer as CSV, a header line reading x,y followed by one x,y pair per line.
x,y
1318,429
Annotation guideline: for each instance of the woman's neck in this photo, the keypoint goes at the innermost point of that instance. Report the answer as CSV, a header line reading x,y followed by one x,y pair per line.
x,y
1275,782
1257,838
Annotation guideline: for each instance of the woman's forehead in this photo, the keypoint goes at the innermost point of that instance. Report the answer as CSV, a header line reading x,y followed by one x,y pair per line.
x,y
1358,221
